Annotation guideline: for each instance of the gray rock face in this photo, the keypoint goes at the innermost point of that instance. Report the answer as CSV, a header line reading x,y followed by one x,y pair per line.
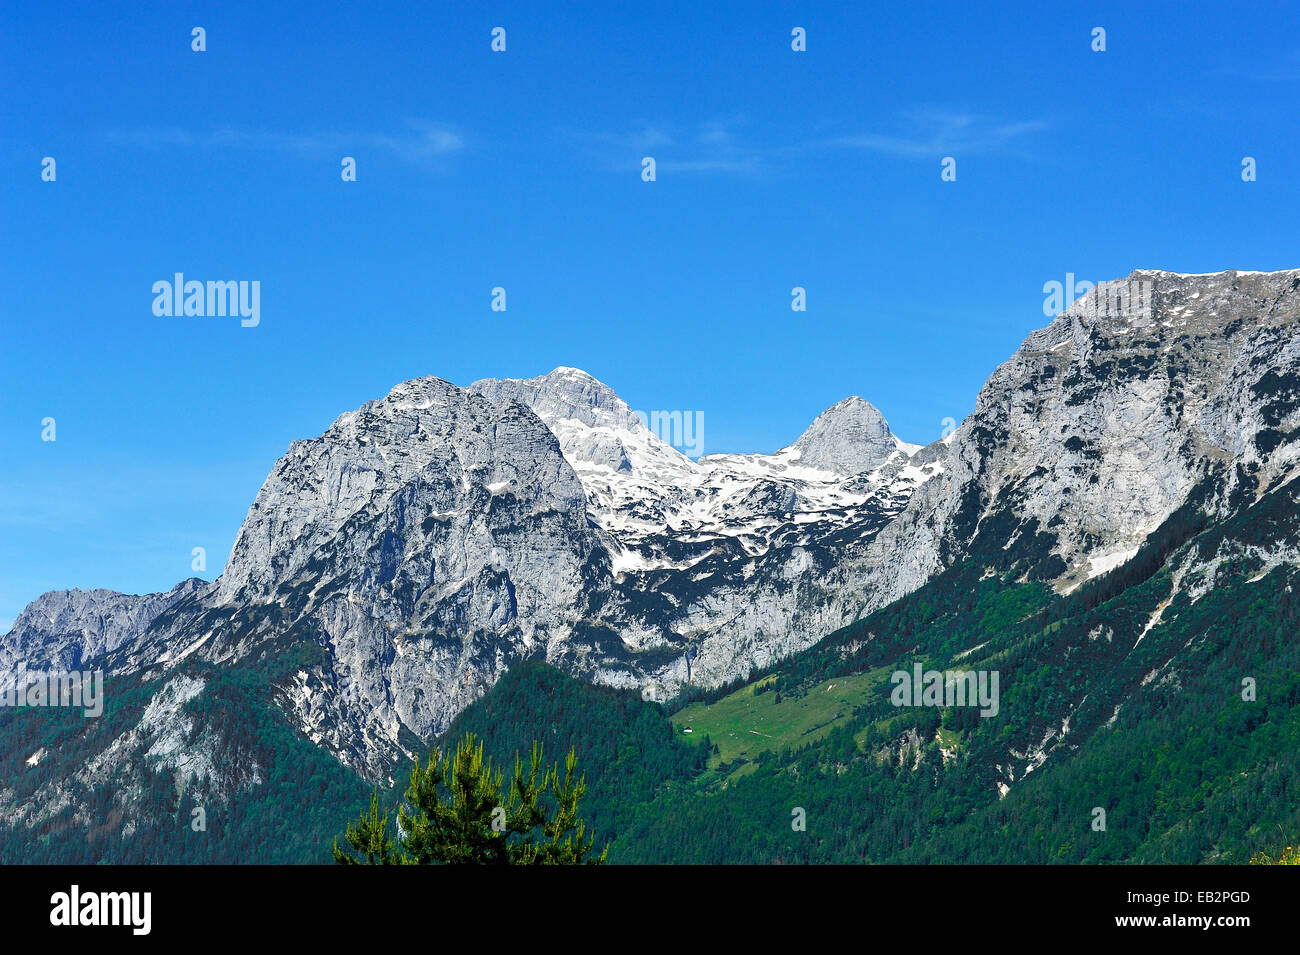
x,y
1095,430
429,540
848,438
430,451
62,629
432,538
596,418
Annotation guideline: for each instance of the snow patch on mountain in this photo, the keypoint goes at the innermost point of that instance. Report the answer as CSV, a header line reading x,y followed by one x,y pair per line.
x,y
644,492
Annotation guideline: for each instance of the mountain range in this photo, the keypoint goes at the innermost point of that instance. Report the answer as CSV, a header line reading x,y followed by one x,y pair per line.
x,y
394,569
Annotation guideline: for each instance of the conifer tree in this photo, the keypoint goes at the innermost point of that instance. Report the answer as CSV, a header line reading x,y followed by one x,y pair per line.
x,y
455,812
369,837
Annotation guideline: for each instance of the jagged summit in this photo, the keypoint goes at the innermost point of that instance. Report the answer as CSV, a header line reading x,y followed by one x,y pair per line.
x,y
593,424
643,490
849,437
102,620
563,394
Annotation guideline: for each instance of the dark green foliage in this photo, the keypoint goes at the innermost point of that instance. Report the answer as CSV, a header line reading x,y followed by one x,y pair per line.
x,y
300,798
456,813
370,838
629,747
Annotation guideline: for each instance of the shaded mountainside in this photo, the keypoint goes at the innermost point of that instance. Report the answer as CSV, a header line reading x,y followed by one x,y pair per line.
x,y
199,767
1112,530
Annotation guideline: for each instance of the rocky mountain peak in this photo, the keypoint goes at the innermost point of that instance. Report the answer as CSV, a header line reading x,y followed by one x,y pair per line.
x,y
592,423
849,437
564,394
427,440
1100,425
62,628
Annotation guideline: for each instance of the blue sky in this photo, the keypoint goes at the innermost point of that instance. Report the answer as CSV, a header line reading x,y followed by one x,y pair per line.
x,y
522,170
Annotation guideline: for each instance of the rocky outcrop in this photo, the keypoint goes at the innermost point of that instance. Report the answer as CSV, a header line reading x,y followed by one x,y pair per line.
x,y
1087,438
63,629
849,438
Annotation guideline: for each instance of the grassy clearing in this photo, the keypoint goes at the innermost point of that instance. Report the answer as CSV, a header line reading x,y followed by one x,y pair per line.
x,y
746,723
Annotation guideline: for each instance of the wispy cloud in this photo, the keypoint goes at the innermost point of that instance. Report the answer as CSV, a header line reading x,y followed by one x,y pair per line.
x,y
420,142
931,132
711,147
719,146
